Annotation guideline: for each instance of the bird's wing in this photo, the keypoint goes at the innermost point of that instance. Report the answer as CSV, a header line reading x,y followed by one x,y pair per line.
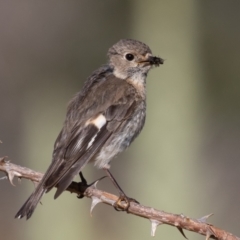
x,y
83,148
90,132
73,165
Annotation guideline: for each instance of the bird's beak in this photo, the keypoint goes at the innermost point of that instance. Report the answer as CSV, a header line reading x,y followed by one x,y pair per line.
x,y
156,61
153,61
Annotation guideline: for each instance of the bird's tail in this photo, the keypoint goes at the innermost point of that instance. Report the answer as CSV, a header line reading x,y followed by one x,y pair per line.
x,y
29,206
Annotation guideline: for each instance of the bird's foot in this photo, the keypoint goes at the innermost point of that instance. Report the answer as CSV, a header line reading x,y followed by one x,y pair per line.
x,y
123,203
82,186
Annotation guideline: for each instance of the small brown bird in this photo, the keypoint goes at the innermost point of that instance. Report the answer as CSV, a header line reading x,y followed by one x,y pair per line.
x,y
102,119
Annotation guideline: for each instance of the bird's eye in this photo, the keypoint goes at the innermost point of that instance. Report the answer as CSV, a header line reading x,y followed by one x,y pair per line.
x,y
129,56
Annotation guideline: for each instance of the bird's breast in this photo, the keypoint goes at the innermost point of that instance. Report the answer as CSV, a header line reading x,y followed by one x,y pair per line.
x,y
121,139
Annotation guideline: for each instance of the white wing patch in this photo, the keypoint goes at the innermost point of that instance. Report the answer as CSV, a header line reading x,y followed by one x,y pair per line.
x,y
98,122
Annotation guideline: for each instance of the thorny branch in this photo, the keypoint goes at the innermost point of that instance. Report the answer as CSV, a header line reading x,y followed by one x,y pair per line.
x,y
155,216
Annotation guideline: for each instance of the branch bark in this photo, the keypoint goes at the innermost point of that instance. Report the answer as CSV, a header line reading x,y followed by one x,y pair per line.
x,y
156,217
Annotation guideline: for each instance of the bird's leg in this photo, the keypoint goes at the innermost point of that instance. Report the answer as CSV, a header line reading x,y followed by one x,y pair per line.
x,y
123,196
83,184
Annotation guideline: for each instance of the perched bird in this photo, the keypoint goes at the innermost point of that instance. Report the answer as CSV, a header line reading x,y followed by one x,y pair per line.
x,y
102,119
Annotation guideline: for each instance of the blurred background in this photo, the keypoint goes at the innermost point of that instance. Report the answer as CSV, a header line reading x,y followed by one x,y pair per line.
x,y
187,158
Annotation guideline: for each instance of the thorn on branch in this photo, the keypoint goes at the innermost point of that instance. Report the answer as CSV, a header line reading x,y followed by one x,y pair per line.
x,y
204,218
4,159
11,177
10,173
182,232
210,233
154,225
95,201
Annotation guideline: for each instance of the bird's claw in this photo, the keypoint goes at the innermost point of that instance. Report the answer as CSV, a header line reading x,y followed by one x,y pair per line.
x,y
82,186
118,206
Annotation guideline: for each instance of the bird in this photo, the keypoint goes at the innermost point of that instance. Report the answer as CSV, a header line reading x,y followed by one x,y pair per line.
x,y
101,121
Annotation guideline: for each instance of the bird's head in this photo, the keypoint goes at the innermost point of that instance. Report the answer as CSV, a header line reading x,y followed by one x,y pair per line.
x,y
128,57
